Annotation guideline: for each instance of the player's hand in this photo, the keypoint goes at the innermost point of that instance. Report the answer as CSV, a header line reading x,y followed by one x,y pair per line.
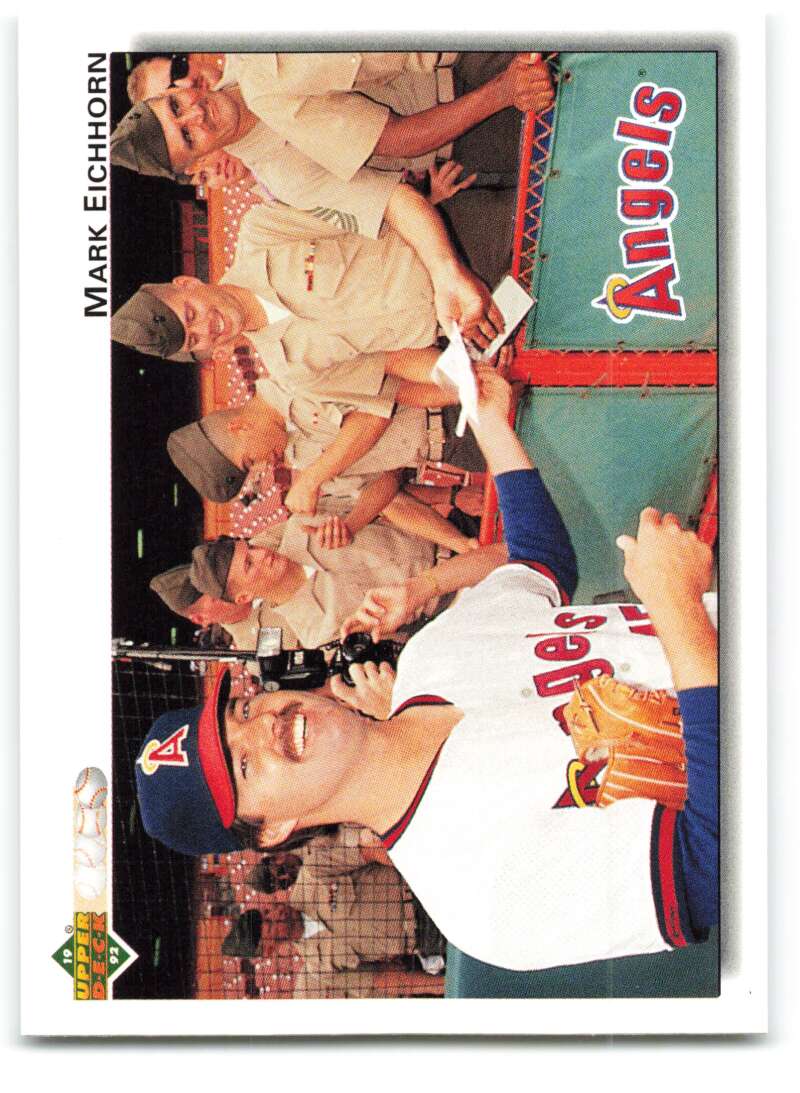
x,y
303,496
665,565
372,693
461,297
445,181
384,610
527,85
494,393
330,535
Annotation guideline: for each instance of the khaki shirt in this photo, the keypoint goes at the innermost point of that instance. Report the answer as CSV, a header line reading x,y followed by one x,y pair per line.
x,y
367,297
313,426
358,205
366,909
377,555
333,107
245,633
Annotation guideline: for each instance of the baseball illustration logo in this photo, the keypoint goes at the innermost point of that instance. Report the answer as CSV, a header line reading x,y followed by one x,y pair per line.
x,y
92,955
91,788
89,818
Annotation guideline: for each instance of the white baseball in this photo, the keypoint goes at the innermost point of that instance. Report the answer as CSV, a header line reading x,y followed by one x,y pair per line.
x,y
90,822
91,787
88,852
89,881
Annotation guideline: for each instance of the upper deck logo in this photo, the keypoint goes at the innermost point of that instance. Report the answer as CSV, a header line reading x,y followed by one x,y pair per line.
x,y
646,206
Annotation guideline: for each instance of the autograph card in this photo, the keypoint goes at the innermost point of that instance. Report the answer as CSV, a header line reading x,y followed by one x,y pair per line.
x,y
256,256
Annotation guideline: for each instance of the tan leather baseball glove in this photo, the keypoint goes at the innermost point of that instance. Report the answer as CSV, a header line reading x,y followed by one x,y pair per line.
x,y
639,733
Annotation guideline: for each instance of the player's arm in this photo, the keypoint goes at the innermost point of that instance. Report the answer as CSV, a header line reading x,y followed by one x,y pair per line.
x,y
525,84
459,296
534,530
358,434
669,569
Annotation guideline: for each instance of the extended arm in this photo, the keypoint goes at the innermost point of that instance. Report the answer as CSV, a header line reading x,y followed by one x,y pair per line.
x,y
358,434
384,610
525,84
459,295
373,500
416,518
534,530
669,569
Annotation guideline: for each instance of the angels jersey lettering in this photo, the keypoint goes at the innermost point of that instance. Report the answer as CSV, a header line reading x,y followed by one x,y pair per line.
x,y
500,849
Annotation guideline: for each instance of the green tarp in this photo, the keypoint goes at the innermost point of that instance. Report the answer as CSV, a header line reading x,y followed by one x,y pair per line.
x,y
606,453
580,226
684,973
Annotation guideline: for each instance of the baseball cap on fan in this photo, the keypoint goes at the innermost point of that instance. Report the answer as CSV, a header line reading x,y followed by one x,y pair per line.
x,y
138,143
211,563
203,464
150,326
175,589
183,779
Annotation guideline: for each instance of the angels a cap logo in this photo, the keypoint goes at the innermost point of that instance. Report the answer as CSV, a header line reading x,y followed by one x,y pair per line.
x,y
646,206
170,753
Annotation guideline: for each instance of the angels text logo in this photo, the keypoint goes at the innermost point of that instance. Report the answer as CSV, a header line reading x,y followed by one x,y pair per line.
x,y
647,207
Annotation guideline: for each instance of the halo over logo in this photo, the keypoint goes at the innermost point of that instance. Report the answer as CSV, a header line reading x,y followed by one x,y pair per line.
x,y
646,206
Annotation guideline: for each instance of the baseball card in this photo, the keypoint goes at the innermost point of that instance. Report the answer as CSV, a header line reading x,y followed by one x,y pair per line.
x,y
366,704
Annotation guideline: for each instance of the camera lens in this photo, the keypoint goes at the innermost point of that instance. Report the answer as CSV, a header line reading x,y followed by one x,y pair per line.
x,y
356,646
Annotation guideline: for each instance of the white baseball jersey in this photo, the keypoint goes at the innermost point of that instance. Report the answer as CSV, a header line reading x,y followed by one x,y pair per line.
x,y
498,844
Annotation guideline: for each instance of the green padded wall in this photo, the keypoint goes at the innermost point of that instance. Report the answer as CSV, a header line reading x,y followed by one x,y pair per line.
x,y
580,227
606,453
684,973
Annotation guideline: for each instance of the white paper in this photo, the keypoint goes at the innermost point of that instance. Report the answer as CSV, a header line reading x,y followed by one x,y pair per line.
x,y
514,303
454,369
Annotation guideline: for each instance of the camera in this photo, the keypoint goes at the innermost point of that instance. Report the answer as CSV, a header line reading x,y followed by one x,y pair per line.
x,y
359,648
305,669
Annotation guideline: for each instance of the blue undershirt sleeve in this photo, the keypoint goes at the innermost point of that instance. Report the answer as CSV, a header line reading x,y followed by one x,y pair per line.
x,y
533,527
697,826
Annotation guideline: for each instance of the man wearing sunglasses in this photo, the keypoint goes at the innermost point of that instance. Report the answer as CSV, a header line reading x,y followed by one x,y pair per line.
x,y
404,108
155,75
321,136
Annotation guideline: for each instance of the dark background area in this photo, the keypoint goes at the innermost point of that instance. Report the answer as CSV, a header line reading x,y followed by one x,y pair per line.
x,y
156,515
156,520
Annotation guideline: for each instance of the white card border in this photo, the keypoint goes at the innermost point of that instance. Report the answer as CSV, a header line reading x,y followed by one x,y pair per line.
x,y
80,734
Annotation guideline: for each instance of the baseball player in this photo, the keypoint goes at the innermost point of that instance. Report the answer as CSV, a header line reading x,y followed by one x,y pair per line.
x,y
475,772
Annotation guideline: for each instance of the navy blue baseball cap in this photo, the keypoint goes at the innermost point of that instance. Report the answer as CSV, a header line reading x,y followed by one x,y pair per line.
x,y
186,794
